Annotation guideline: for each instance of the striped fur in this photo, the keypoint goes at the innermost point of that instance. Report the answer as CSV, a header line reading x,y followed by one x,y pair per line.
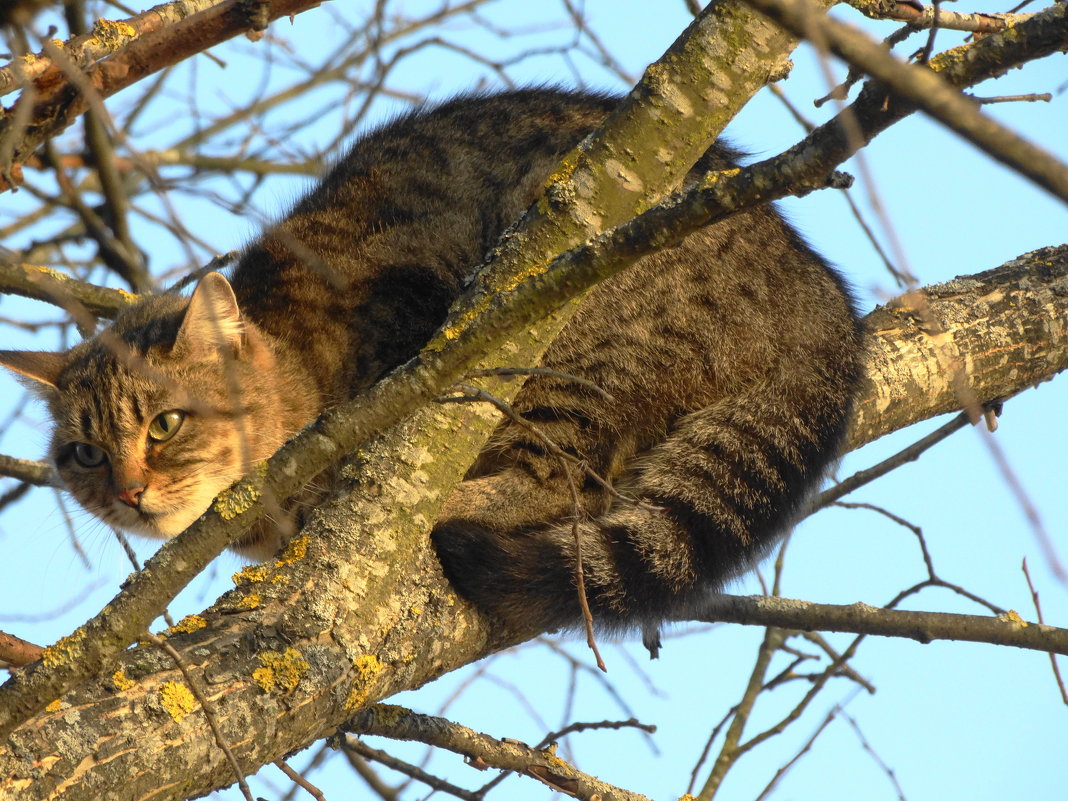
x,y
731,361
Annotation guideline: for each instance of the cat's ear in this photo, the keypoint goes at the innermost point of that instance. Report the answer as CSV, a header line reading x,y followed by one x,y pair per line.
x,y
38,370
212,320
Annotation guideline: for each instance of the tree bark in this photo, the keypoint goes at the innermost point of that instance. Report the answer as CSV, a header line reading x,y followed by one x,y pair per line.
x,y
357,610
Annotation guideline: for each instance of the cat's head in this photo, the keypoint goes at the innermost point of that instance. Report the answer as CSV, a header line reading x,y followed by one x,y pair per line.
x,y
161,411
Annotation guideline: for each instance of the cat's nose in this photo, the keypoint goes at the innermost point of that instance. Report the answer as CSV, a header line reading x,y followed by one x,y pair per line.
x,y
131,496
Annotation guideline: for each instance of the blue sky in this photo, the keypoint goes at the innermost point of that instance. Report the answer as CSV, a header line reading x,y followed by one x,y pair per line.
x,y
952,720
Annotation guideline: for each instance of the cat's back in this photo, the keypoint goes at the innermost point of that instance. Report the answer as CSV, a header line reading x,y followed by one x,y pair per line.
x,y
368,262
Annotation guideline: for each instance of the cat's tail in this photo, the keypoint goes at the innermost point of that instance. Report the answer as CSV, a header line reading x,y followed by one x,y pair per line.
x,y
727,482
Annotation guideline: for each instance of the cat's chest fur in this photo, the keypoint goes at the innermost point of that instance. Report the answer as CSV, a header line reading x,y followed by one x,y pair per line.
x,y
728,364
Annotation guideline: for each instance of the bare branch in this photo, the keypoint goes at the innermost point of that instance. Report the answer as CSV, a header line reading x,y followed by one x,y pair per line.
x,y
17,651
483,751
1007,629
39,474
106,37
926,90
52,286
949,20
354,748
56,102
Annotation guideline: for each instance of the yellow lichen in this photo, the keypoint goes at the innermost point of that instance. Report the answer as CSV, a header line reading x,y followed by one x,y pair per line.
x,y
367,667
296,550
467,318
554,761
51,273
55,706
63,649
564,171
120,681
389,714
250,574
189,624
113,33
176,699
1012,616
241,496
264,677
280,671
250,601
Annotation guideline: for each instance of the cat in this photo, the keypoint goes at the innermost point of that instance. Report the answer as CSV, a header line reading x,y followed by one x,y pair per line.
x,y
727,366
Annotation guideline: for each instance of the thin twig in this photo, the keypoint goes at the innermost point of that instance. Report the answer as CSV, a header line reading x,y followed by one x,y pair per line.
x,y
728,753
1038,612
543,371
578,513
904,456
297,779
16,493
796,757
136,563
572,728
1035,97
353,745
468,393
878,760
194,688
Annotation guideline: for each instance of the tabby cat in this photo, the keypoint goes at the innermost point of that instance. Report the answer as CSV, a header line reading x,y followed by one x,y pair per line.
x,y
728,363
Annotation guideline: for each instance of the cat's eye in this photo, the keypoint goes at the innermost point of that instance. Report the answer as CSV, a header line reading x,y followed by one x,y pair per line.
x,y
166,425
89,455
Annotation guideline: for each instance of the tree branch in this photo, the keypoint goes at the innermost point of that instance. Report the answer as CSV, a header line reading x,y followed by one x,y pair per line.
x,y
40,474
353,612
478,324
483,751
926,90
106,37
52,286
924,16
57,99
859,618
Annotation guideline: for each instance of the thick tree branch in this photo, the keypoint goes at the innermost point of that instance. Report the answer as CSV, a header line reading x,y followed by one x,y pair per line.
x,y
354,611
675,90
1009,336
106,37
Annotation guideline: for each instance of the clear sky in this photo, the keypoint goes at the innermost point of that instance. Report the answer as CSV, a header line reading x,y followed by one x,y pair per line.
x,y
951,720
